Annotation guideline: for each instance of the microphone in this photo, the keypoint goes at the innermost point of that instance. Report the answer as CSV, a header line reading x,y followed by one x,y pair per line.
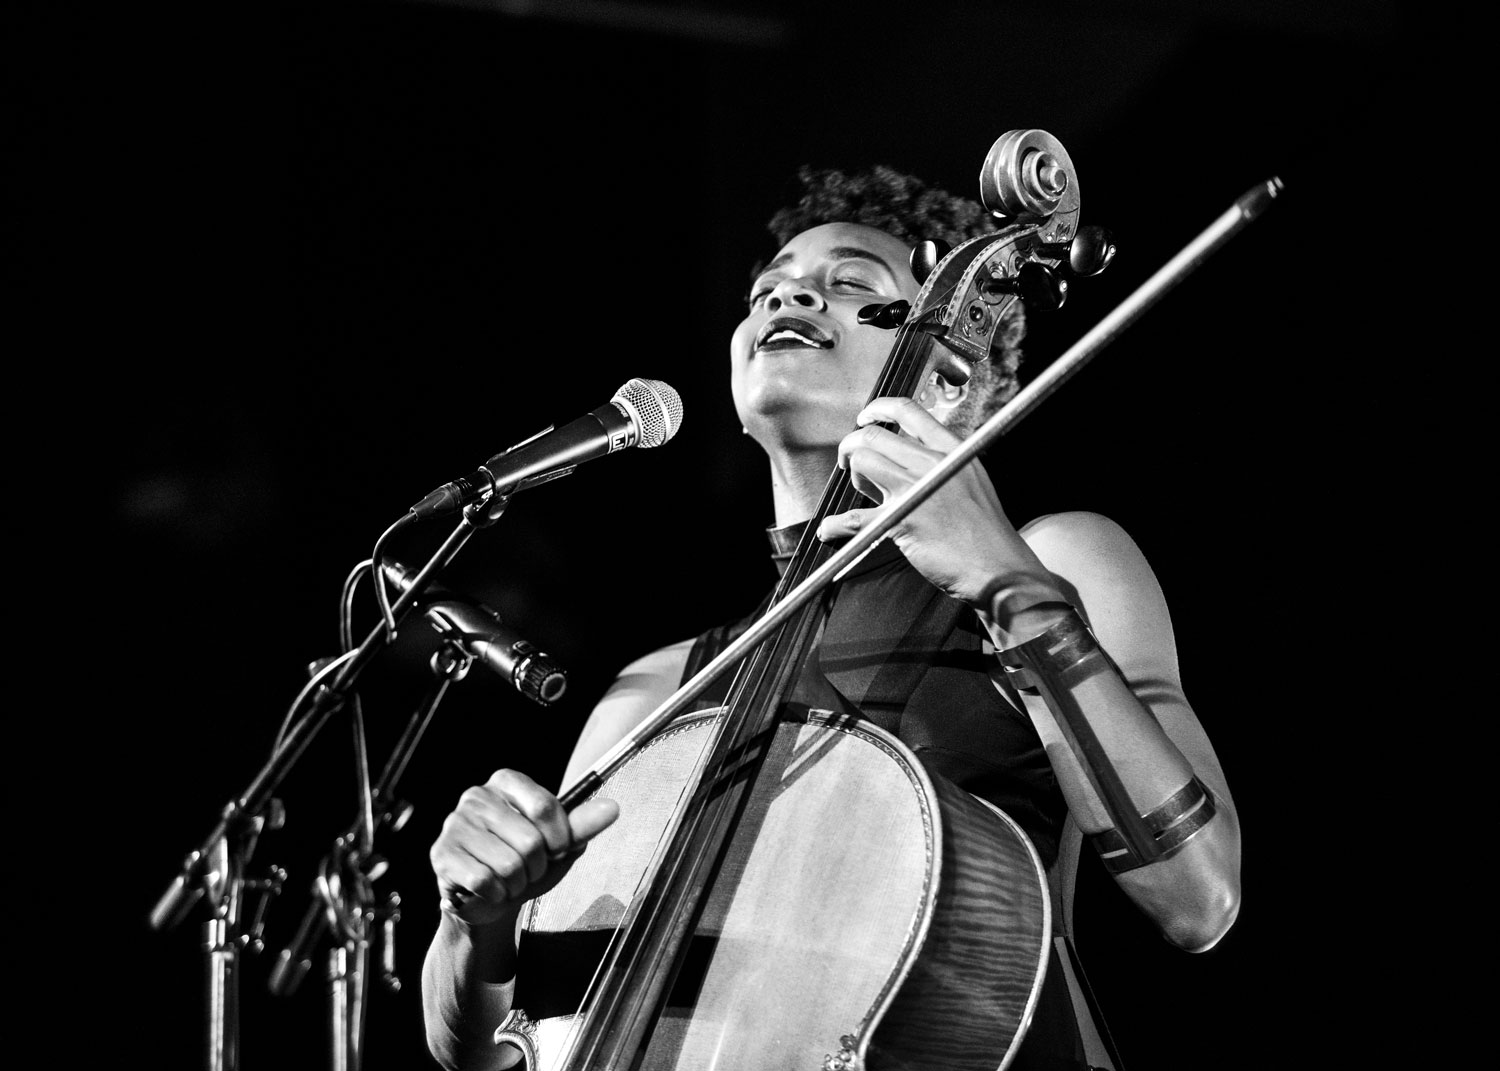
x,y
486,638
644,412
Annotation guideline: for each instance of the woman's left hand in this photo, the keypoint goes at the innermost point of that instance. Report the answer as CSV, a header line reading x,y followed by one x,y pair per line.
x,y
959,538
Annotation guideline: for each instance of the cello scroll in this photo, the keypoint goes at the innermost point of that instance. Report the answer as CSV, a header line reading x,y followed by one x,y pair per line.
x,y
1029,184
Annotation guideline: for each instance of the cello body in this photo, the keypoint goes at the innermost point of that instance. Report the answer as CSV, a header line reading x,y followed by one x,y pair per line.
x,y
866,914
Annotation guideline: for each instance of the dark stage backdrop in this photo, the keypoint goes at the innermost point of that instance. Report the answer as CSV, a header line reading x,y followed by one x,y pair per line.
x,y
324,259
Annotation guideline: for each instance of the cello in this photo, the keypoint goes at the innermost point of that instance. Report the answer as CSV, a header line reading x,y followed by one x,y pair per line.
x,y
743,914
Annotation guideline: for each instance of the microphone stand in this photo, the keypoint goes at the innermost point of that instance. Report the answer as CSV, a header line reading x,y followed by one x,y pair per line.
x,y
227,889
343,898
215,869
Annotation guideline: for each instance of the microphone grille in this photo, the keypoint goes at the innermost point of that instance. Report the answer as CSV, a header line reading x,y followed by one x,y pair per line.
x,y
655,407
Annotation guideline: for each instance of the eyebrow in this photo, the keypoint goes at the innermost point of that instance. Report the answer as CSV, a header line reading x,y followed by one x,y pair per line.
x,y
838,252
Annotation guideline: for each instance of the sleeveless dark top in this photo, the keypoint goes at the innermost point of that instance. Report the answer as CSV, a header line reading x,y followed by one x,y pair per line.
x,y
900,653
917,663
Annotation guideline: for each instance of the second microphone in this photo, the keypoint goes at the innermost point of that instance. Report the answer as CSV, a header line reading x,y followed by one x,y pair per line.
x,y
486,638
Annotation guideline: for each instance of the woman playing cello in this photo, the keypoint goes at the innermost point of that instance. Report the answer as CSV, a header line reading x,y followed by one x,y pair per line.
x,y
946,636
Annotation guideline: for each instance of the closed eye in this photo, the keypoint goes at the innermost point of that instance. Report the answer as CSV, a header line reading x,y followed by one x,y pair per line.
x,y
758,295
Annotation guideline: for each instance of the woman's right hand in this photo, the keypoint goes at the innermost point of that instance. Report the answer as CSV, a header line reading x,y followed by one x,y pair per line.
x,y
509,841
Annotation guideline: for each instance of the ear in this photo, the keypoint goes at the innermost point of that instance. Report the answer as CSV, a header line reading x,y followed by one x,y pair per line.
x,y
940,398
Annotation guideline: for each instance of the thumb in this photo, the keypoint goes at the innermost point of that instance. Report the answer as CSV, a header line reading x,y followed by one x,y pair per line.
x,y
591,818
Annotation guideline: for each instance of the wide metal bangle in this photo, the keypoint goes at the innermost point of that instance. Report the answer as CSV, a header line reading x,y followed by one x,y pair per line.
x,y
1059,656
1172,825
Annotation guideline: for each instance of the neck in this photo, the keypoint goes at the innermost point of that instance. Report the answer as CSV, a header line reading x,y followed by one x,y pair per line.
x,y
797,482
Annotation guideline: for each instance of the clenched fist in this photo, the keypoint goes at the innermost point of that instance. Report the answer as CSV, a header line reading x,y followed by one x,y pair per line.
x,y
508,841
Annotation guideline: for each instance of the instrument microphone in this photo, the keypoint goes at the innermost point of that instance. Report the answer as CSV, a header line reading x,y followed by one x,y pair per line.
x,y
644,412
481,633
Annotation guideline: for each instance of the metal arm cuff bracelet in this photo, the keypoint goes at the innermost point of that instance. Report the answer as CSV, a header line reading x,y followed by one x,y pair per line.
x,y
1172,825
1056,655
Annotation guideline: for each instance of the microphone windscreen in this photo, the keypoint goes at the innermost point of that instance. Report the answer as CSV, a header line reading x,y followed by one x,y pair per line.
x,y
653,406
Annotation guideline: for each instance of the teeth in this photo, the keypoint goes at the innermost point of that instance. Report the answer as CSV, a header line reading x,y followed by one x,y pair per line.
x,y
793,336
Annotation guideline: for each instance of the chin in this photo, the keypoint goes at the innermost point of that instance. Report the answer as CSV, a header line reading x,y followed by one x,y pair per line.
x,y
791,430
776,411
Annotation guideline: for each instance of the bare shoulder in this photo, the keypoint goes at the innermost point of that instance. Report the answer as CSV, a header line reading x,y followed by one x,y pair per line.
x,y
1090,550
650,668
1110,581
1082,539
639,689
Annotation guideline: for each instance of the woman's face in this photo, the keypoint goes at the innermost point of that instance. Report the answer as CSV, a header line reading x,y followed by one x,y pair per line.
x,y
802,365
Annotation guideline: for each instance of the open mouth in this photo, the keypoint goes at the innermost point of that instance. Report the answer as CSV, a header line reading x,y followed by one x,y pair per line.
x,y
789,332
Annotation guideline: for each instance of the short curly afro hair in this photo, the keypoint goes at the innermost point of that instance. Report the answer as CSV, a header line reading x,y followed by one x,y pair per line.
x,y
912,211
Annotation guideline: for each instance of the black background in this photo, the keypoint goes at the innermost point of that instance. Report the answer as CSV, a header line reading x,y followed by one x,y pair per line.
x,y
286,270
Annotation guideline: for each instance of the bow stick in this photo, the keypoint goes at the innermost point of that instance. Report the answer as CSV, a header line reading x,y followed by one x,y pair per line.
x,y
1247,208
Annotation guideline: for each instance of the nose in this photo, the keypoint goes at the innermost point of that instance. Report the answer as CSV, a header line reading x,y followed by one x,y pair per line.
x,y
797,292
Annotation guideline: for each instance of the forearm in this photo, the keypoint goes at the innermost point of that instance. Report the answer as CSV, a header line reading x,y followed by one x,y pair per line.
x,y
1190,889
467,985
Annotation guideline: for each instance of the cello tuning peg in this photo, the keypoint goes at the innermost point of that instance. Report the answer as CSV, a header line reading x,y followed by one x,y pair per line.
x,y
1041,288
885,316
925,257
1090,251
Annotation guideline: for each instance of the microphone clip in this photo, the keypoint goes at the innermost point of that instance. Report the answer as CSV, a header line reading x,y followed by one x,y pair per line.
x,y
451,661
485,511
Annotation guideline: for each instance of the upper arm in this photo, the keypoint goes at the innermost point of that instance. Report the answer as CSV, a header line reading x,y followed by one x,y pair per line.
x,y
640,688
1113,586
